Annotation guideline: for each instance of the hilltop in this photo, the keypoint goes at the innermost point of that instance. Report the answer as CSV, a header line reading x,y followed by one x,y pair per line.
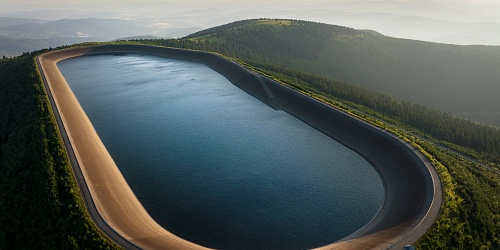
x,y
461,80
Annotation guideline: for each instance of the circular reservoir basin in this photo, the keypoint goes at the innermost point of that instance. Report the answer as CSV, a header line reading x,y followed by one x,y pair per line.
x,y
216,166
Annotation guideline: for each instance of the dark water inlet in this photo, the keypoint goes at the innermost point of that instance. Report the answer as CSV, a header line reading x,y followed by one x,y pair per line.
x,y
216,166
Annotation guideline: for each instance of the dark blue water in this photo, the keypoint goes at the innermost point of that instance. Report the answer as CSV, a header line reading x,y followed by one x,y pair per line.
x,y
216,166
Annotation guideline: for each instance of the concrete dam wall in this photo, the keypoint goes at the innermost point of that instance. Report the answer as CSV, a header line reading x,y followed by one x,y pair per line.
x,y
413,189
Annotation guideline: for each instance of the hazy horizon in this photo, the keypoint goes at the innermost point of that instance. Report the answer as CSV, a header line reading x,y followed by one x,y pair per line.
x,y
457,22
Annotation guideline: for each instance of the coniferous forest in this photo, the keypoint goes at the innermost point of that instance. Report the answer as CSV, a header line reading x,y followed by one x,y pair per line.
x,y
40,204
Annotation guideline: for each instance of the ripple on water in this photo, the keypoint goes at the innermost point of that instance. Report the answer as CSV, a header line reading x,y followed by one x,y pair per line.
x,y
216,166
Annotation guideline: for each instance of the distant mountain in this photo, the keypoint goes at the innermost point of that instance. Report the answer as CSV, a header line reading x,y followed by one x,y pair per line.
x,y
11,47
413,27
462,80
91,27
18,35
427,29
9,21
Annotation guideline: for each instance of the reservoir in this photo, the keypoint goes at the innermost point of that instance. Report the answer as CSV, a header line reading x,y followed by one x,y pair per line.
x,y
216,166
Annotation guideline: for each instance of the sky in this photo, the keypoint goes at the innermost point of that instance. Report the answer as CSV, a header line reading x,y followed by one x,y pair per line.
x,y
446,21
141,5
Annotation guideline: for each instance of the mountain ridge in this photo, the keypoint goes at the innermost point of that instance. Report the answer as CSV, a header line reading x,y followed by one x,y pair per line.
x,y
454,78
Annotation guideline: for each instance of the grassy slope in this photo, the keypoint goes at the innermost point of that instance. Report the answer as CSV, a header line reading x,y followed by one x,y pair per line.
x,y
462,80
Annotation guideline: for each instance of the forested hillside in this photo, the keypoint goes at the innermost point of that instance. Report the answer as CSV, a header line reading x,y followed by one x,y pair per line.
x,y
461,80
10,47
40,205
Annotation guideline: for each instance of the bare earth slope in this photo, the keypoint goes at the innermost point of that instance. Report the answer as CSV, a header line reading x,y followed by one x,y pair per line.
x,y
413,190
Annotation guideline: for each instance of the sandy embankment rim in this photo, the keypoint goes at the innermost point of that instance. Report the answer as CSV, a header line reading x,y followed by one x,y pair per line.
x,y
109,192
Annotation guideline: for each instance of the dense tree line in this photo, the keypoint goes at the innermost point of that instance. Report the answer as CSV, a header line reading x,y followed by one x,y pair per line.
x,y
470,215
40,204
230,50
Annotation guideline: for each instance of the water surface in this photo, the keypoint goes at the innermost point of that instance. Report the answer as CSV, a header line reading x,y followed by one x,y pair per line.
x,y
216,166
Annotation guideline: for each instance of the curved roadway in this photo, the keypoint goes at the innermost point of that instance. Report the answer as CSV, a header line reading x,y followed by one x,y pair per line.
x,y
413,188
